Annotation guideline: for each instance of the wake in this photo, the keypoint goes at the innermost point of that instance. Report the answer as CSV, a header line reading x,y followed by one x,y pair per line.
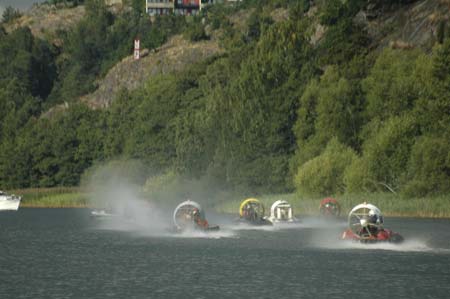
x,y
412,245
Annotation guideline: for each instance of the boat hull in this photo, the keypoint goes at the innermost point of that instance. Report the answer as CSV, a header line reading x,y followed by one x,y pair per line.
x,y
9,204
384,236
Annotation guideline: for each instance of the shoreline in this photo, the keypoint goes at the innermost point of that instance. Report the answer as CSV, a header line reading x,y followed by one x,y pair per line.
x,y
391,205
300,215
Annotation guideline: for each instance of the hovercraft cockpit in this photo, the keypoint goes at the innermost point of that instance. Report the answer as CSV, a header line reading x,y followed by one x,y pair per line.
x,y
189,215
252,211
329,207
281,212
365,225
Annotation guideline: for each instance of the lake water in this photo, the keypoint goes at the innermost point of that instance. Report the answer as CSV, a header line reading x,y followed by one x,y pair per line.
x,y
63,253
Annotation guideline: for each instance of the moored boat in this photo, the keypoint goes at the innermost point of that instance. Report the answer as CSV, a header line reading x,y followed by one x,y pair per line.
x,y
9,201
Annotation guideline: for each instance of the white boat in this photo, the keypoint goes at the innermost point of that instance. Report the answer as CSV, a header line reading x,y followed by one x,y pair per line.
x,y
9,202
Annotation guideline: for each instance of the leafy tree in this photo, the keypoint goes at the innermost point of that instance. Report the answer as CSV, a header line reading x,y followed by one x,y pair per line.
x,y
385,157
10,14
323,175
328,109
390,87
429,167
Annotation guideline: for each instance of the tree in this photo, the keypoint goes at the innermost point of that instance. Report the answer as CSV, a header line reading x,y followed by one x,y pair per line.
x,y
390,87
323,175
428,169
10,14
385,156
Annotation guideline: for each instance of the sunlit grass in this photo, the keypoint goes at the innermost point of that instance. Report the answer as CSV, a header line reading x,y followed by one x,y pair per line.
x,y
390,204
53,197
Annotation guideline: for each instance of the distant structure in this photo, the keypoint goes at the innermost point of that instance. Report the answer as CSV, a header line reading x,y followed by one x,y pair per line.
x,y
160,7
137,46
113,2
179,7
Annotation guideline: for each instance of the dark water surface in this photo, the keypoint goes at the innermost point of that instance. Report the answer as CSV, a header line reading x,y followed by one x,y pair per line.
x,y
63,253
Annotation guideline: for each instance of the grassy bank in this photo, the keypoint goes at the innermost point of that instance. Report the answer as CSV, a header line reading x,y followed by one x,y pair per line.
x,y
53,197
390,204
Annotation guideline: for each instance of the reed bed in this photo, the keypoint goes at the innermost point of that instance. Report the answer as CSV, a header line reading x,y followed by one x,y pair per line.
x,y
60,197
390,204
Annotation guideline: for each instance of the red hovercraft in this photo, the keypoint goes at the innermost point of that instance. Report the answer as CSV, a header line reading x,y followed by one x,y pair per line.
x,y
365,225
329,207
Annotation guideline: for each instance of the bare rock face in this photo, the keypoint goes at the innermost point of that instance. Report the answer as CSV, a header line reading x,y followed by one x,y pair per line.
x,y
129,74
411,25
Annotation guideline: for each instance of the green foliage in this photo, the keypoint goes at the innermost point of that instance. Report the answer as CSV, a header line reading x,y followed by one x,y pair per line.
x,y
385,157
329,108
195,31
429,167
269,112
391,86
323,175
10,14
257,23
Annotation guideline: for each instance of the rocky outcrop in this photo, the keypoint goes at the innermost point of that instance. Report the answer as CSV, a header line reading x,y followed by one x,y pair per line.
x,y
129,74
408,26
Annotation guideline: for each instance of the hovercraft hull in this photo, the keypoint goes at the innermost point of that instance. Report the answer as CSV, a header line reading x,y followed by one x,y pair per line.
x,y
384,236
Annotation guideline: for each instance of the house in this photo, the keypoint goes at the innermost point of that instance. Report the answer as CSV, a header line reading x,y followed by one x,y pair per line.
x,y
187,7
113,2
159,7
178,7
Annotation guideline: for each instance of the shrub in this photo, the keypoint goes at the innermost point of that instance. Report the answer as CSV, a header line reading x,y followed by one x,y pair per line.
x,y
385,156
10,14
323,175
195,32
429,167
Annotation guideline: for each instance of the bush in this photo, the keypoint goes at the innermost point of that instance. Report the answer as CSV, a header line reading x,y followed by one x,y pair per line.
x,y
385,156
10,14
323,175
196,32
429,167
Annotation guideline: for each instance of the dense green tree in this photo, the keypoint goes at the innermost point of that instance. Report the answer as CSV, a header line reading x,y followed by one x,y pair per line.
x,y
10,14
328,109
391,87
324,174
429,167
385,157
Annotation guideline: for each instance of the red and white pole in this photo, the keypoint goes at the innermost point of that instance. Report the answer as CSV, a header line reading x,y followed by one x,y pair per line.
x,y
137,54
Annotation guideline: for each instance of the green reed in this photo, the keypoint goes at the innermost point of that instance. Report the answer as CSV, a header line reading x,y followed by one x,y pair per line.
x,y
390,204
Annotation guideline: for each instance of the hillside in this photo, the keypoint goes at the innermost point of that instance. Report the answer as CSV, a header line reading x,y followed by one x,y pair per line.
x,y
412,25
318,97
45,19
173,56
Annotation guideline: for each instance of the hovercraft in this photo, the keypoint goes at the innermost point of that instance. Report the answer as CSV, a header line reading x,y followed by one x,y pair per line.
x,y
252,211
329,207
365,225
281,212
189,215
